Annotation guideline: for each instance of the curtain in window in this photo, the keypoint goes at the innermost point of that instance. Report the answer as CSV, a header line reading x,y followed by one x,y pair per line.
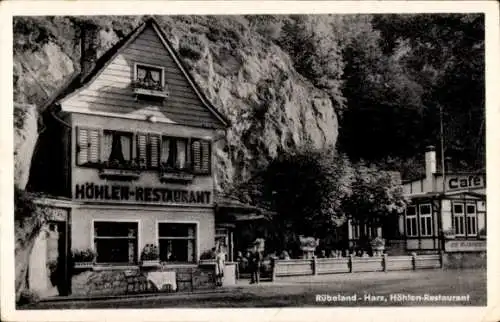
x,y
181,154
107,144
165,150
125,143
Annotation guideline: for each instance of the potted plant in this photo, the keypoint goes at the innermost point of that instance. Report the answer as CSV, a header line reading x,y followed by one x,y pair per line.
x,y
378,245
83,258
482,233
449,234
150,256
308,246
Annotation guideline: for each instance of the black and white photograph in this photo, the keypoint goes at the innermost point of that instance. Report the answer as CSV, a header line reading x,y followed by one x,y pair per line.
x,y
253,160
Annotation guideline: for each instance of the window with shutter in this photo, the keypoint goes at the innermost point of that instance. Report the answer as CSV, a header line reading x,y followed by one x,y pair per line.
x,y
88,149
205,157
94,146
141,148
200,156
154,143
196,156
83,146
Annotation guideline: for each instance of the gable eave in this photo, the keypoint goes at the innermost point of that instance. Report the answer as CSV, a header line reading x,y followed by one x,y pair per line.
x,y
87,80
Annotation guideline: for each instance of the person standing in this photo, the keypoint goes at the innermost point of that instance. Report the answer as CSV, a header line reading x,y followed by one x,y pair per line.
x,y
220,262
256,263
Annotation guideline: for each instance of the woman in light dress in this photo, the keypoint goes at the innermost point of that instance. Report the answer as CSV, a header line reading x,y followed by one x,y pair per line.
x,y
220,260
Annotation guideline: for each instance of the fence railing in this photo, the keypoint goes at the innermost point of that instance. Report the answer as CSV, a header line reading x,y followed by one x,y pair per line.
x,y
316,266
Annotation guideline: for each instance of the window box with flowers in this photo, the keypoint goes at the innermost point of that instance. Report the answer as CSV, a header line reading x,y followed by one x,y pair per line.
x,y
83,259
149,81
173,174
150,257
482,233
126,169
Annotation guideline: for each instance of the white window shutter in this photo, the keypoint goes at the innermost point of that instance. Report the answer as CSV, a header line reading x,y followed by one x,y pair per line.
x,y
93,146
196,155
205,157
83,146
141,148
154,142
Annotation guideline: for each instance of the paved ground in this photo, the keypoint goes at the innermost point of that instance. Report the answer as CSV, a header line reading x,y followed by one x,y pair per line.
x,y
303,291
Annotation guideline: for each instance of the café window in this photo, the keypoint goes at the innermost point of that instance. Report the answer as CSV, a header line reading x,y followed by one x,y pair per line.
x,y
116,146
355,230
471,220
425,220
115,242
411,221
149,77
174,153
459,219
177,242
87,148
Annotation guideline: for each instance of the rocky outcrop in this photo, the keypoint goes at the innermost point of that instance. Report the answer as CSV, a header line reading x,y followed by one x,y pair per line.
x,y
248,77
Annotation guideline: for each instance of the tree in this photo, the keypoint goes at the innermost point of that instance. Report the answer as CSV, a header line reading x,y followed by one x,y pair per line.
x,y
305,189
375,195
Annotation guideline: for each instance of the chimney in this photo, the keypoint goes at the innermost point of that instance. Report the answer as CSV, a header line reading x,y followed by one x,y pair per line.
x,y
89,45
430,168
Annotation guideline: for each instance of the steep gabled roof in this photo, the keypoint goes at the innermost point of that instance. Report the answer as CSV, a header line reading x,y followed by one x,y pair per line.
x,y
79,81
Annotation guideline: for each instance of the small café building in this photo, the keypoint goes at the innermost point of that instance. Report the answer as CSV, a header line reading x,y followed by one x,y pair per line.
x,y
128,146
447,211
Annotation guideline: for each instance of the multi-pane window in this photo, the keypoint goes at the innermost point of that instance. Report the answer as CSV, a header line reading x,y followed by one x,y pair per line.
x,y
87,146
425,213
411,221
116,146
177,242
471,219
174,153
459,219
115,242
355,230
150,151
149,77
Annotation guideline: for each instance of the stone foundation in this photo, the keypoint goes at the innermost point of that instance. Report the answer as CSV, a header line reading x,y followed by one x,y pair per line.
x,y
135,281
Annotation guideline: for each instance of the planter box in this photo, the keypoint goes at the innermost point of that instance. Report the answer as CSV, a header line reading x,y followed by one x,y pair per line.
x,y
176,176
150,263
84,265
482,236
119,173
449,237
150,92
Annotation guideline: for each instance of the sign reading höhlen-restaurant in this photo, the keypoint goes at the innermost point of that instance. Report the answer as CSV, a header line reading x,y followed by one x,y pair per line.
x,y
98,192
465,245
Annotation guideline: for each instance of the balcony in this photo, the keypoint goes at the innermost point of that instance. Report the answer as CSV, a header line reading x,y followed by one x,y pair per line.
x,y
125,170
143,89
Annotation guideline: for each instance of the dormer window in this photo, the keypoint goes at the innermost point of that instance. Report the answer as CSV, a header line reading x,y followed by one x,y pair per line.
x,y
149,81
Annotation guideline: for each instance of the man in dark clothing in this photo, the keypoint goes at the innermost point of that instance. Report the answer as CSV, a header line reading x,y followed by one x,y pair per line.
x,y
256,260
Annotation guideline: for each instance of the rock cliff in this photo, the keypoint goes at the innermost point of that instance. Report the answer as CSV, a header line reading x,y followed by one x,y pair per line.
x,y
246,75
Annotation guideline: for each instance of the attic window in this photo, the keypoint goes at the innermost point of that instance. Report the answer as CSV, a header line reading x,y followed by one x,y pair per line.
x,y
149,80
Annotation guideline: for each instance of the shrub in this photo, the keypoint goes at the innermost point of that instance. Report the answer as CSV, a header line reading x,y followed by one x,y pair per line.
x,y
28,297
377,242
150,252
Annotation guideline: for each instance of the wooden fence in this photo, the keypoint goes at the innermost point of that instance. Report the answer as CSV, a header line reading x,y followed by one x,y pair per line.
x,y
317,266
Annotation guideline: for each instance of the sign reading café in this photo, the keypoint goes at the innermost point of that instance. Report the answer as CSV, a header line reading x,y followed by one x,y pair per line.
x,y
98,192
458,182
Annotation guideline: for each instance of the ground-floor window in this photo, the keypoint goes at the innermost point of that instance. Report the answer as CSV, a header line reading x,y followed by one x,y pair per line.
x,y
411,221
177,242
425,212
459,219
471,220
115,242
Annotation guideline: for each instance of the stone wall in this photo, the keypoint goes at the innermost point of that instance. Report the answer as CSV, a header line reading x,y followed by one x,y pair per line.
x,y
134,281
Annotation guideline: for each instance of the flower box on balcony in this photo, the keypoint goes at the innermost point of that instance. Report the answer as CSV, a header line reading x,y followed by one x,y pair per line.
x,y
126,174
175,175
151,263
84,265
150,92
